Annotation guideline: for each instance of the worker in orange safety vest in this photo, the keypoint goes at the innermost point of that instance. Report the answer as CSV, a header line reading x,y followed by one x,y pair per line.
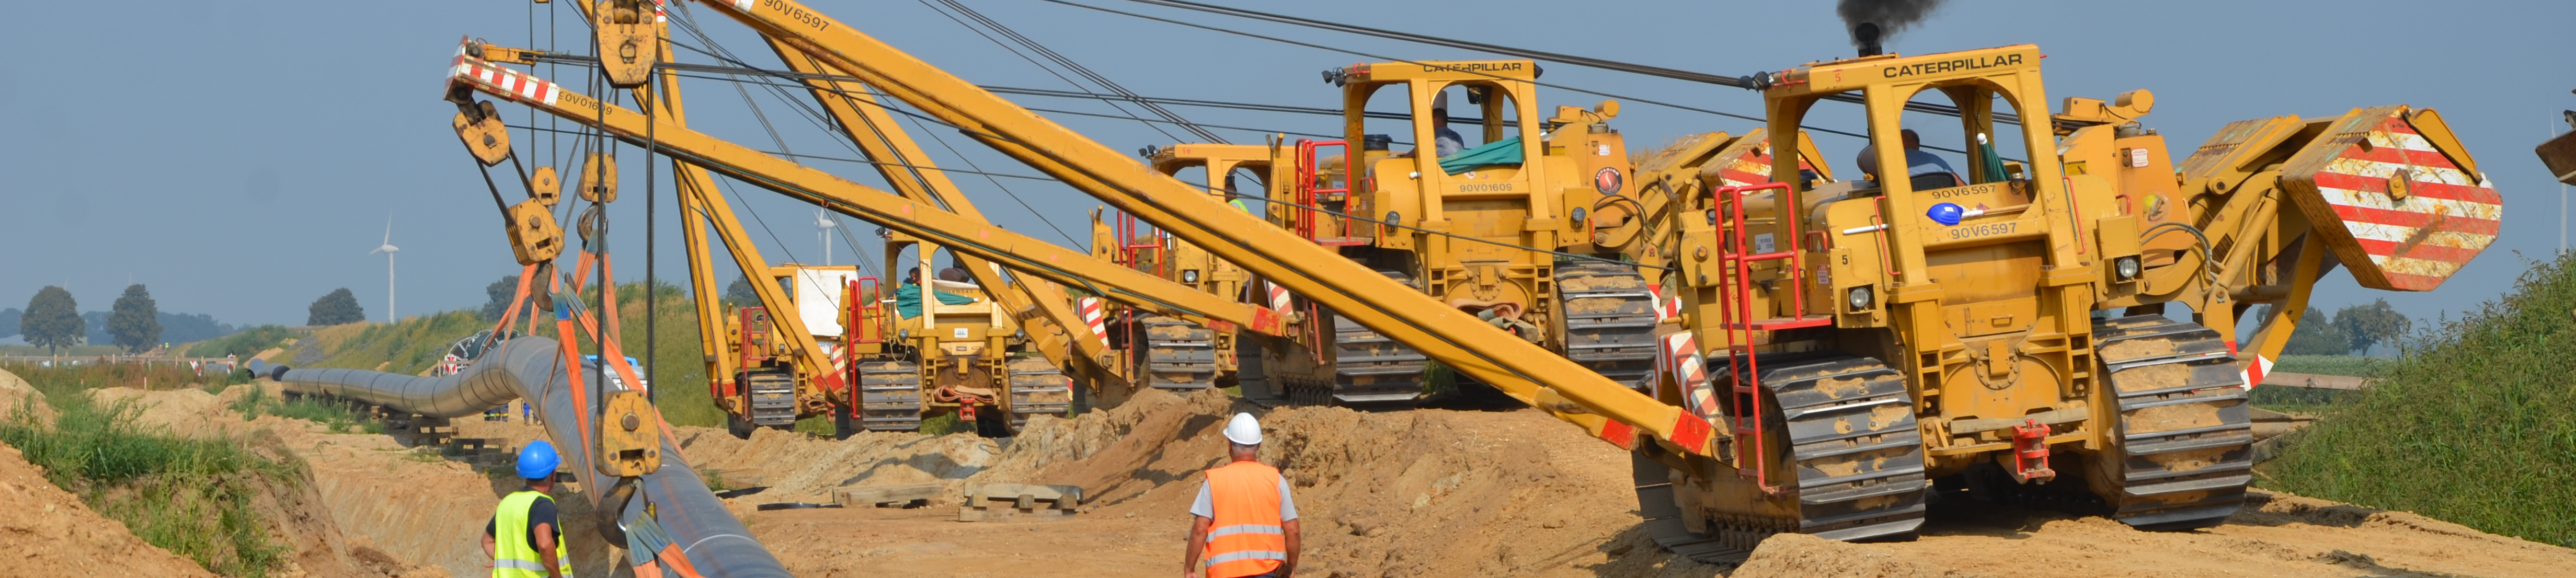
x,y
1243,524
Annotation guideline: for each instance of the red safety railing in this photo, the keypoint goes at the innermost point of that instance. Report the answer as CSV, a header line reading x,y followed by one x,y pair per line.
x,y
1737,319
867,316
1129,232
1312,194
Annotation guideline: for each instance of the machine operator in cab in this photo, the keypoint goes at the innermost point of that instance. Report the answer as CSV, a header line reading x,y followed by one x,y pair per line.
x,y
1243,523
1924,169
525,537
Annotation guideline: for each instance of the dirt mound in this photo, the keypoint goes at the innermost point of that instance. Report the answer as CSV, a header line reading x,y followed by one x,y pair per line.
x,y
16,393
45,531
1460,493
1410,493
362,505
1424,493
1800,555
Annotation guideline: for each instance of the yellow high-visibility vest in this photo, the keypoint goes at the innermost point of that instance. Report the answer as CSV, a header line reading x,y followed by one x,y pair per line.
x,y
512,555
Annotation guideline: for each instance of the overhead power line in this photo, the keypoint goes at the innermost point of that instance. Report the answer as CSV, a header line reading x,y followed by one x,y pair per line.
x,y
1744,82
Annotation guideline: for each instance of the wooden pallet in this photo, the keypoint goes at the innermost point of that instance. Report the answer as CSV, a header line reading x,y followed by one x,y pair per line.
x,y
996,502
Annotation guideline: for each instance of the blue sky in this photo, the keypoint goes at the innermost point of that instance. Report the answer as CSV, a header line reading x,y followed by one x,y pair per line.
x,y
242,158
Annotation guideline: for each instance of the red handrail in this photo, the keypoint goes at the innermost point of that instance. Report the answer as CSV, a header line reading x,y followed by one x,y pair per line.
x,y
1311,189
1738,322
864,312
1128,229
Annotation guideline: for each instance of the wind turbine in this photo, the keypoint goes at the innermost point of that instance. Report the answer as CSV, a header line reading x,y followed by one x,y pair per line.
x,y
823,224
388,249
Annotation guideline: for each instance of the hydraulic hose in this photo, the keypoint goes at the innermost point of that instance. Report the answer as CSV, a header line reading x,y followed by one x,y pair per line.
x,y
533,368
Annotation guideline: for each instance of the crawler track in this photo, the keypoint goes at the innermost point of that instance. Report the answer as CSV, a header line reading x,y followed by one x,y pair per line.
x,y
1369,368
1177,354
773,398
2184,454
1858,466
1037,388
1609,320
889,396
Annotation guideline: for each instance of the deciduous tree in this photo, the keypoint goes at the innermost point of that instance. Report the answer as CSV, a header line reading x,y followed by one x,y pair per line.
x,y
335,308
2317,335
740,293
2372,324
135,321
52,320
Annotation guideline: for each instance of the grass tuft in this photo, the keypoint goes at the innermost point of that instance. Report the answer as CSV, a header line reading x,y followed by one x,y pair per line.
x,y
944,424
192,496
2470,425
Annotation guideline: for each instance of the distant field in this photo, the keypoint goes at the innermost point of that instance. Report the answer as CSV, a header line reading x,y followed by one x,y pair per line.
x,y
79,351
2351,365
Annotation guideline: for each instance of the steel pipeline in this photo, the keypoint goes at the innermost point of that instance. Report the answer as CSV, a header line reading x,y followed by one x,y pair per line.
x,y
533,368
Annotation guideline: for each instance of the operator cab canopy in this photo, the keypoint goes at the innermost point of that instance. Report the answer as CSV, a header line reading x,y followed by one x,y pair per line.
x,y
1492,136
1983,86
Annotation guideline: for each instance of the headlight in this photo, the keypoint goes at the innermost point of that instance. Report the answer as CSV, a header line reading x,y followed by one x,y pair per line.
x,y
2125,267
1860,298
1189,275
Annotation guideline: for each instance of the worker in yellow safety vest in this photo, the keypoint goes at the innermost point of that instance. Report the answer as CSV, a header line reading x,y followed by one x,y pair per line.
x,y
525,537
1243,524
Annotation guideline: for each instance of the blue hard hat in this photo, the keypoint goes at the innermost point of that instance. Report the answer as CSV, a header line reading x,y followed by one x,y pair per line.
x,y
538,460
1946,213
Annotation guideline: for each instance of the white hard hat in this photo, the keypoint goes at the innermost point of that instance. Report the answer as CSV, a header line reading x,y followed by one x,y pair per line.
x,y
1243,430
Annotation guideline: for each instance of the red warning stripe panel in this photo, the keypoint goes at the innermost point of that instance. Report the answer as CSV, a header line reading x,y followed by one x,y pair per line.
x,y
2402,155
2414,188
2450,222
2412,282
2424,251
2414,242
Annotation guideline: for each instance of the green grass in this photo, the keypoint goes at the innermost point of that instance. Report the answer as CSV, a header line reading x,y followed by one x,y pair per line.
x,y
2301,399
680,371
339,416
192,496
2351,365
2472,425
246,343
680,375
944,424
412,345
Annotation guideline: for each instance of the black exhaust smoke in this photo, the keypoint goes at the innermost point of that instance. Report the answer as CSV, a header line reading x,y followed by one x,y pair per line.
x,y
1871,22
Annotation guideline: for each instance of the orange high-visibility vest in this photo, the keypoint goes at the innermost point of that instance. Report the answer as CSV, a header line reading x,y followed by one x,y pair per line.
x,y
1244,539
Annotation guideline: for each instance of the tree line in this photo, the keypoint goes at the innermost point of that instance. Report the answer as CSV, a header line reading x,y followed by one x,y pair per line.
x,y
2353,329
53,321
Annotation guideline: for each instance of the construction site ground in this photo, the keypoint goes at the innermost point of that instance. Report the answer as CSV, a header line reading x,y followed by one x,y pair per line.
x,y
1413,493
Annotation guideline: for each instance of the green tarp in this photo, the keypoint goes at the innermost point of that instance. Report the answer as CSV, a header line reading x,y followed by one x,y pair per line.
x,y
907,300
1501,152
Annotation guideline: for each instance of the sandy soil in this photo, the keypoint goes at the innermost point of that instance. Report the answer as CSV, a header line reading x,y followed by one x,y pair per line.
x,y
367,506
45,531
1473,493
1417,493
15,394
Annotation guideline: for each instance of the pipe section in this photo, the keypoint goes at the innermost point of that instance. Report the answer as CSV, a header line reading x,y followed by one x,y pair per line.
x,y
533,368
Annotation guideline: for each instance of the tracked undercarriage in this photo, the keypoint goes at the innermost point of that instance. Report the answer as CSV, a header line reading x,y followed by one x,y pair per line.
x,y
2184,452
1844,455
